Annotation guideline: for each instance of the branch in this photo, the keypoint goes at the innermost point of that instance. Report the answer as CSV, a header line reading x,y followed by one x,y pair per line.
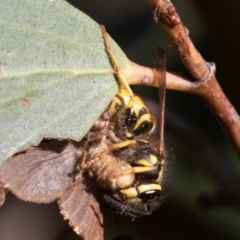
x,y
165,14
202,83
140,75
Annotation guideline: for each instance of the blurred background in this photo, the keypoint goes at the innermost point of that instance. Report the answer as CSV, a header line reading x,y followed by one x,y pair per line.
x,y
203,180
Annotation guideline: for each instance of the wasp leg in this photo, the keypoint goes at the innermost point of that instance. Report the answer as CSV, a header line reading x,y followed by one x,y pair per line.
x,y
130,143
127,143
114,63
116,146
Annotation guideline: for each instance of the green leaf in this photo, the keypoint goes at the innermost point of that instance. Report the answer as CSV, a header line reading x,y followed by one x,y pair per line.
x,y
55,75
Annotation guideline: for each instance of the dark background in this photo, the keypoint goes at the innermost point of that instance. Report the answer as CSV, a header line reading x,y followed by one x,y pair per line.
x,y
193,172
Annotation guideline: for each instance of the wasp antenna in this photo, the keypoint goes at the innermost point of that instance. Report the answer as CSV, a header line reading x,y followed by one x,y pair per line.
x,y
119,75
160,65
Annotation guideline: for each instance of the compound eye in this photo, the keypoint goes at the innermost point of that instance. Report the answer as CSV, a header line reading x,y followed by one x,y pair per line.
x,y
150,195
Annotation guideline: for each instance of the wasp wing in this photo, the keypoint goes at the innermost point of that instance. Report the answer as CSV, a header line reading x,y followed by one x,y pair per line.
x,y
160,65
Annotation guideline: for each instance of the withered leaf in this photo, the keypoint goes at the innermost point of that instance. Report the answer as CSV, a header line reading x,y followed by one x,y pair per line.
x,y
44,173
83,212
41,173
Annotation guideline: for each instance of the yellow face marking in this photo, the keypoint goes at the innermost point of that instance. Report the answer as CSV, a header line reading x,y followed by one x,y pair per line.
x,y
144,162
144,118
130,192
136,105
146,187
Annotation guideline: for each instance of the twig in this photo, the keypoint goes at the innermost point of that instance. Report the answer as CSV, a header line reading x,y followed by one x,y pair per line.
x,y
202,83
166,15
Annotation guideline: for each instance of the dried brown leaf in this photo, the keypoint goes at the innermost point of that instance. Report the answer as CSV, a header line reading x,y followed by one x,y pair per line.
x,y
47,172
41,173
83,212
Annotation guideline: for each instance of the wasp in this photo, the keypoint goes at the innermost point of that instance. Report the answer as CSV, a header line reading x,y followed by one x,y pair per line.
x,y
116,156
117,153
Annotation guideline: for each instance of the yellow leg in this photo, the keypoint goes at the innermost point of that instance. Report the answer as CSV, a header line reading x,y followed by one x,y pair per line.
x,y
114,63
127,143
138,170
116,146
